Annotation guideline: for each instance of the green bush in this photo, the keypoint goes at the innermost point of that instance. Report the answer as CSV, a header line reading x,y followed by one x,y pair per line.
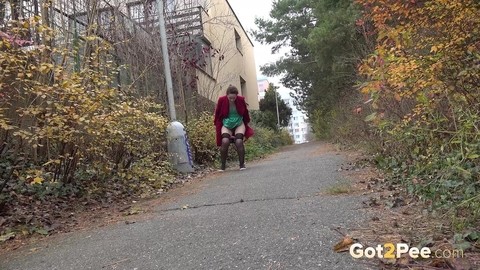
x,y
285,138
439,166
201,134
265,142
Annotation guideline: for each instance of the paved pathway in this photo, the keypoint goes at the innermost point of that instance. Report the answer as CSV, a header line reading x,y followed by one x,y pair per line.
x,y
274,215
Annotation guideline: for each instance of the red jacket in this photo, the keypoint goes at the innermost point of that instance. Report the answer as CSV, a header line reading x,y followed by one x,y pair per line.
x,y
221,112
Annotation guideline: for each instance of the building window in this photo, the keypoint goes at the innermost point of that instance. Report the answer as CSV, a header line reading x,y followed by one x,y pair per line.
x,y
297,125
297,136
243,87
105,17
136,11
198,54
170,6
204,56
238,41
81,28
106,21
143,12
296,130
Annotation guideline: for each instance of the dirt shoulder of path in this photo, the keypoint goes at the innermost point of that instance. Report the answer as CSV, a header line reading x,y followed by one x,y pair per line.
x,y
398,217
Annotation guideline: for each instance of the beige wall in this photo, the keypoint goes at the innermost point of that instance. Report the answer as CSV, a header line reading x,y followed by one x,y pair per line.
x,y
220,26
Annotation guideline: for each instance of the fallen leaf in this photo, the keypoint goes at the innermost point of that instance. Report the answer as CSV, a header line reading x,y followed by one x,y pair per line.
x,y
343,245
7,236
472,236
37,180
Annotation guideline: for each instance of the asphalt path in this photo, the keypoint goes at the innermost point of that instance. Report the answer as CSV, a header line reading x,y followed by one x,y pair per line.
x,y
277,214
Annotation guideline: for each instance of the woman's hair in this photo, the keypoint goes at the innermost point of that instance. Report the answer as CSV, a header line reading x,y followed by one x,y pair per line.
x,y
232,90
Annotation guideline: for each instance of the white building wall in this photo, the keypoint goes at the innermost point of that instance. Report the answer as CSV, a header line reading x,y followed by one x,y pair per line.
x,y
262,88
298,126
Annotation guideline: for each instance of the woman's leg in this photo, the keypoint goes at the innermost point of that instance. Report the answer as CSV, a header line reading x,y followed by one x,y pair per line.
x,y
239,134
226,134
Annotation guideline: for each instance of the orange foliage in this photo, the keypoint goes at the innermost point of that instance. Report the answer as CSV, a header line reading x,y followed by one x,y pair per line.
x,y
426,52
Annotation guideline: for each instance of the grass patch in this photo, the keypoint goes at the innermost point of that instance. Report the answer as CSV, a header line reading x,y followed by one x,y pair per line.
x,y
343,187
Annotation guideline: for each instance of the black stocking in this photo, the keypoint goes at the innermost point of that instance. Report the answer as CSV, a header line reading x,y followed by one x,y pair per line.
x,y
241,151
224,151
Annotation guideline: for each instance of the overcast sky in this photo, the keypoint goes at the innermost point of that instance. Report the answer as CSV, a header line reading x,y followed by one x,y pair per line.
x,y
247,11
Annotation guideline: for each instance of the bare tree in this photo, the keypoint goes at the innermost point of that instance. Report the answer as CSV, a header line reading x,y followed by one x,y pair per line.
x,y
198,43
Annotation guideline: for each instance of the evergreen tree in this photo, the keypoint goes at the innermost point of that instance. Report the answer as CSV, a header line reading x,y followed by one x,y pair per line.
x,y
268,110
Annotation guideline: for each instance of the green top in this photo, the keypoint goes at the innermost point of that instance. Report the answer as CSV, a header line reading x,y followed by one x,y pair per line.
x,y
233,119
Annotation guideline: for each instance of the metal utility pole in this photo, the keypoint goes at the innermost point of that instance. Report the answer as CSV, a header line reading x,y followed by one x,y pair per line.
x,y
166,60
276,104
177,140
